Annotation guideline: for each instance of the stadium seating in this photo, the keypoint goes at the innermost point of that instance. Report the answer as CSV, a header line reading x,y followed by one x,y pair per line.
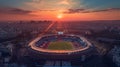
x,y
44,41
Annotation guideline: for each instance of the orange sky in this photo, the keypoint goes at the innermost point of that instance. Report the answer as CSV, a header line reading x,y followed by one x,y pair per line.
x,y
52,15
67,10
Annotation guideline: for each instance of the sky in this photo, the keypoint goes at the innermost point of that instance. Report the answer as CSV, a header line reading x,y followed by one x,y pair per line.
x,y
65,10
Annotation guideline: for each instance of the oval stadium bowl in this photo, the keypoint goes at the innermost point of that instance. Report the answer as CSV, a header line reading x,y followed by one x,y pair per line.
x,y
62,47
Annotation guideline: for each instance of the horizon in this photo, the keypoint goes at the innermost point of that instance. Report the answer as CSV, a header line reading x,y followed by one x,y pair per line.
x,y
55,20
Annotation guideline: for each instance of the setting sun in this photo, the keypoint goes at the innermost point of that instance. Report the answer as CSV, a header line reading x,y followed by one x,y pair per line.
x,y
59,16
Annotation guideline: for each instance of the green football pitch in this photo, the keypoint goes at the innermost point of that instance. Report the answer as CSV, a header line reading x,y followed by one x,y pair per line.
x,y
60,45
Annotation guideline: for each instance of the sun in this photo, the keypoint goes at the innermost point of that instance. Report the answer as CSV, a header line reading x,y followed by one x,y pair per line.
x,y
59,16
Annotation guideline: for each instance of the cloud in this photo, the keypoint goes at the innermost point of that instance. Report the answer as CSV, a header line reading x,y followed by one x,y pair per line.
x,y
71,11
9,10
64,2
109,9
46,10
36,0
38,4
18,11
48,4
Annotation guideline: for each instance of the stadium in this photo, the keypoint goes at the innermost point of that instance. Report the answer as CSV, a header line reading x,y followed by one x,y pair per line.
x,y
60,47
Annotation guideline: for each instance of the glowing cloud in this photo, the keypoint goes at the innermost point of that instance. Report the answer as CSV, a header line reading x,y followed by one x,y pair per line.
x,y
65,2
